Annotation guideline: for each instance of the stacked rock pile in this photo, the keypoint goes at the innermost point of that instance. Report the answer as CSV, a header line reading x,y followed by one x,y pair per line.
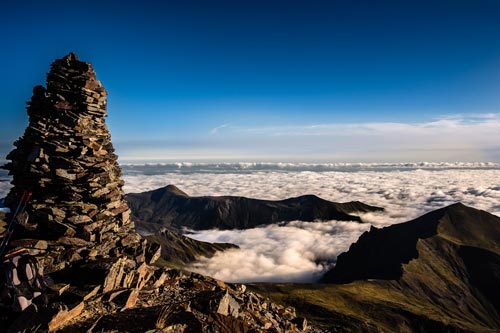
x,y
100,272
66,159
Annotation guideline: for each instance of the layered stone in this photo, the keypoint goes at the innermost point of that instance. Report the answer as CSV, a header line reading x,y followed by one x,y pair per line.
x,y
66,160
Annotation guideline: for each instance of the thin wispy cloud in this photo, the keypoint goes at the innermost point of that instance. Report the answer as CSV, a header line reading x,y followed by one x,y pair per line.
x,y
460,137
218,128
471,116
447,123
456,137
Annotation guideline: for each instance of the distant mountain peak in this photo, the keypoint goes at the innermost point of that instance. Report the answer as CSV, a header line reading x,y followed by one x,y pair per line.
x,y
171,207
175,190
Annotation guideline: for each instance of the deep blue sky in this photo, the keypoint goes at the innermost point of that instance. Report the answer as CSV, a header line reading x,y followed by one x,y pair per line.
x,y
256,79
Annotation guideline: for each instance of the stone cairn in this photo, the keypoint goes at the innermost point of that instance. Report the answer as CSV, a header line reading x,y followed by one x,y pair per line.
x,y
66,159
100,272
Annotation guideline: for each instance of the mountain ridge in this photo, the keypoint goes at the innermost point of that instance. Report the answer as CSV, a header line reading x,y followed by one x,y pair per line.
x,y
178,250
404,237
171,207
440,273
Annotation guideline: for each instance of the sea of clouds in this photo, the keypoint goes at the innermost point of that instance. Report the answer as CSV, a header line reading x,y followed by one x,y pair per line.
x,y
404,190
296,252
302,251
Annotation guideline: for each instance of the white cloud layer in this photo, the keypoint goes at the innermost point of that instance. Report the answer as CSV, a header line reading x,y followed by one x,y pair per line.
x,y
299,251
4,187
404,193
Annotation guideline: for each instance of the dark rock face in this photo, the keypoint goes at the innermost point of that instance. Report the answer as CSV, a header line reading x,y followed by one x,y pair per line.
x,y
381,253
484,272
173,208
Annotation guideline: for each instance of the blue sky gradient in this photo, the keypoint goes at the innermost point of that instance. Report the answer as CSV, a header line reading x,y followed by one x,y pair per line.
x,y
271,80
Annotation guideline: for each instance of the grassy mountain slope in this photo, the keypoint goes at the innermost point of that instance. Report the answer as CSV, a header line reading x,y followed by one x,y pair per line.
x,y
437,273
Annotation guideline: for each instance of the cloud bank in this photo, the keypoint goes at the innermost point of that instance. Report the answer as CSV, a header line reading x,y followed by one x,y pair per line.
x,y
301,251
297,252
404,193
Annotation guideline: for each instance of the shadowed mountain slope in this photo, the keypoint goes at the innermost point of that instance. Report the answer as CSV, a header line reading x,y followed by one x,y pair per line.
x,y
437,273
170,207
381,253
178,250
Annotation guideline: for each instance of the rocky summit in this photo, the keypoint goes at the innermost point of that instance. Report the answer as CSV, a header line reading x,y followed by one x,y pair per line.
x,y
66,160
100,273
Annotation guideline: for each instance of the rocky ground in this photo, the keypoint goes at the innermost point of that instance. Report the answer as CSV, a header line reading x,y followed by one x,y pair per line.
x,y
168,301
